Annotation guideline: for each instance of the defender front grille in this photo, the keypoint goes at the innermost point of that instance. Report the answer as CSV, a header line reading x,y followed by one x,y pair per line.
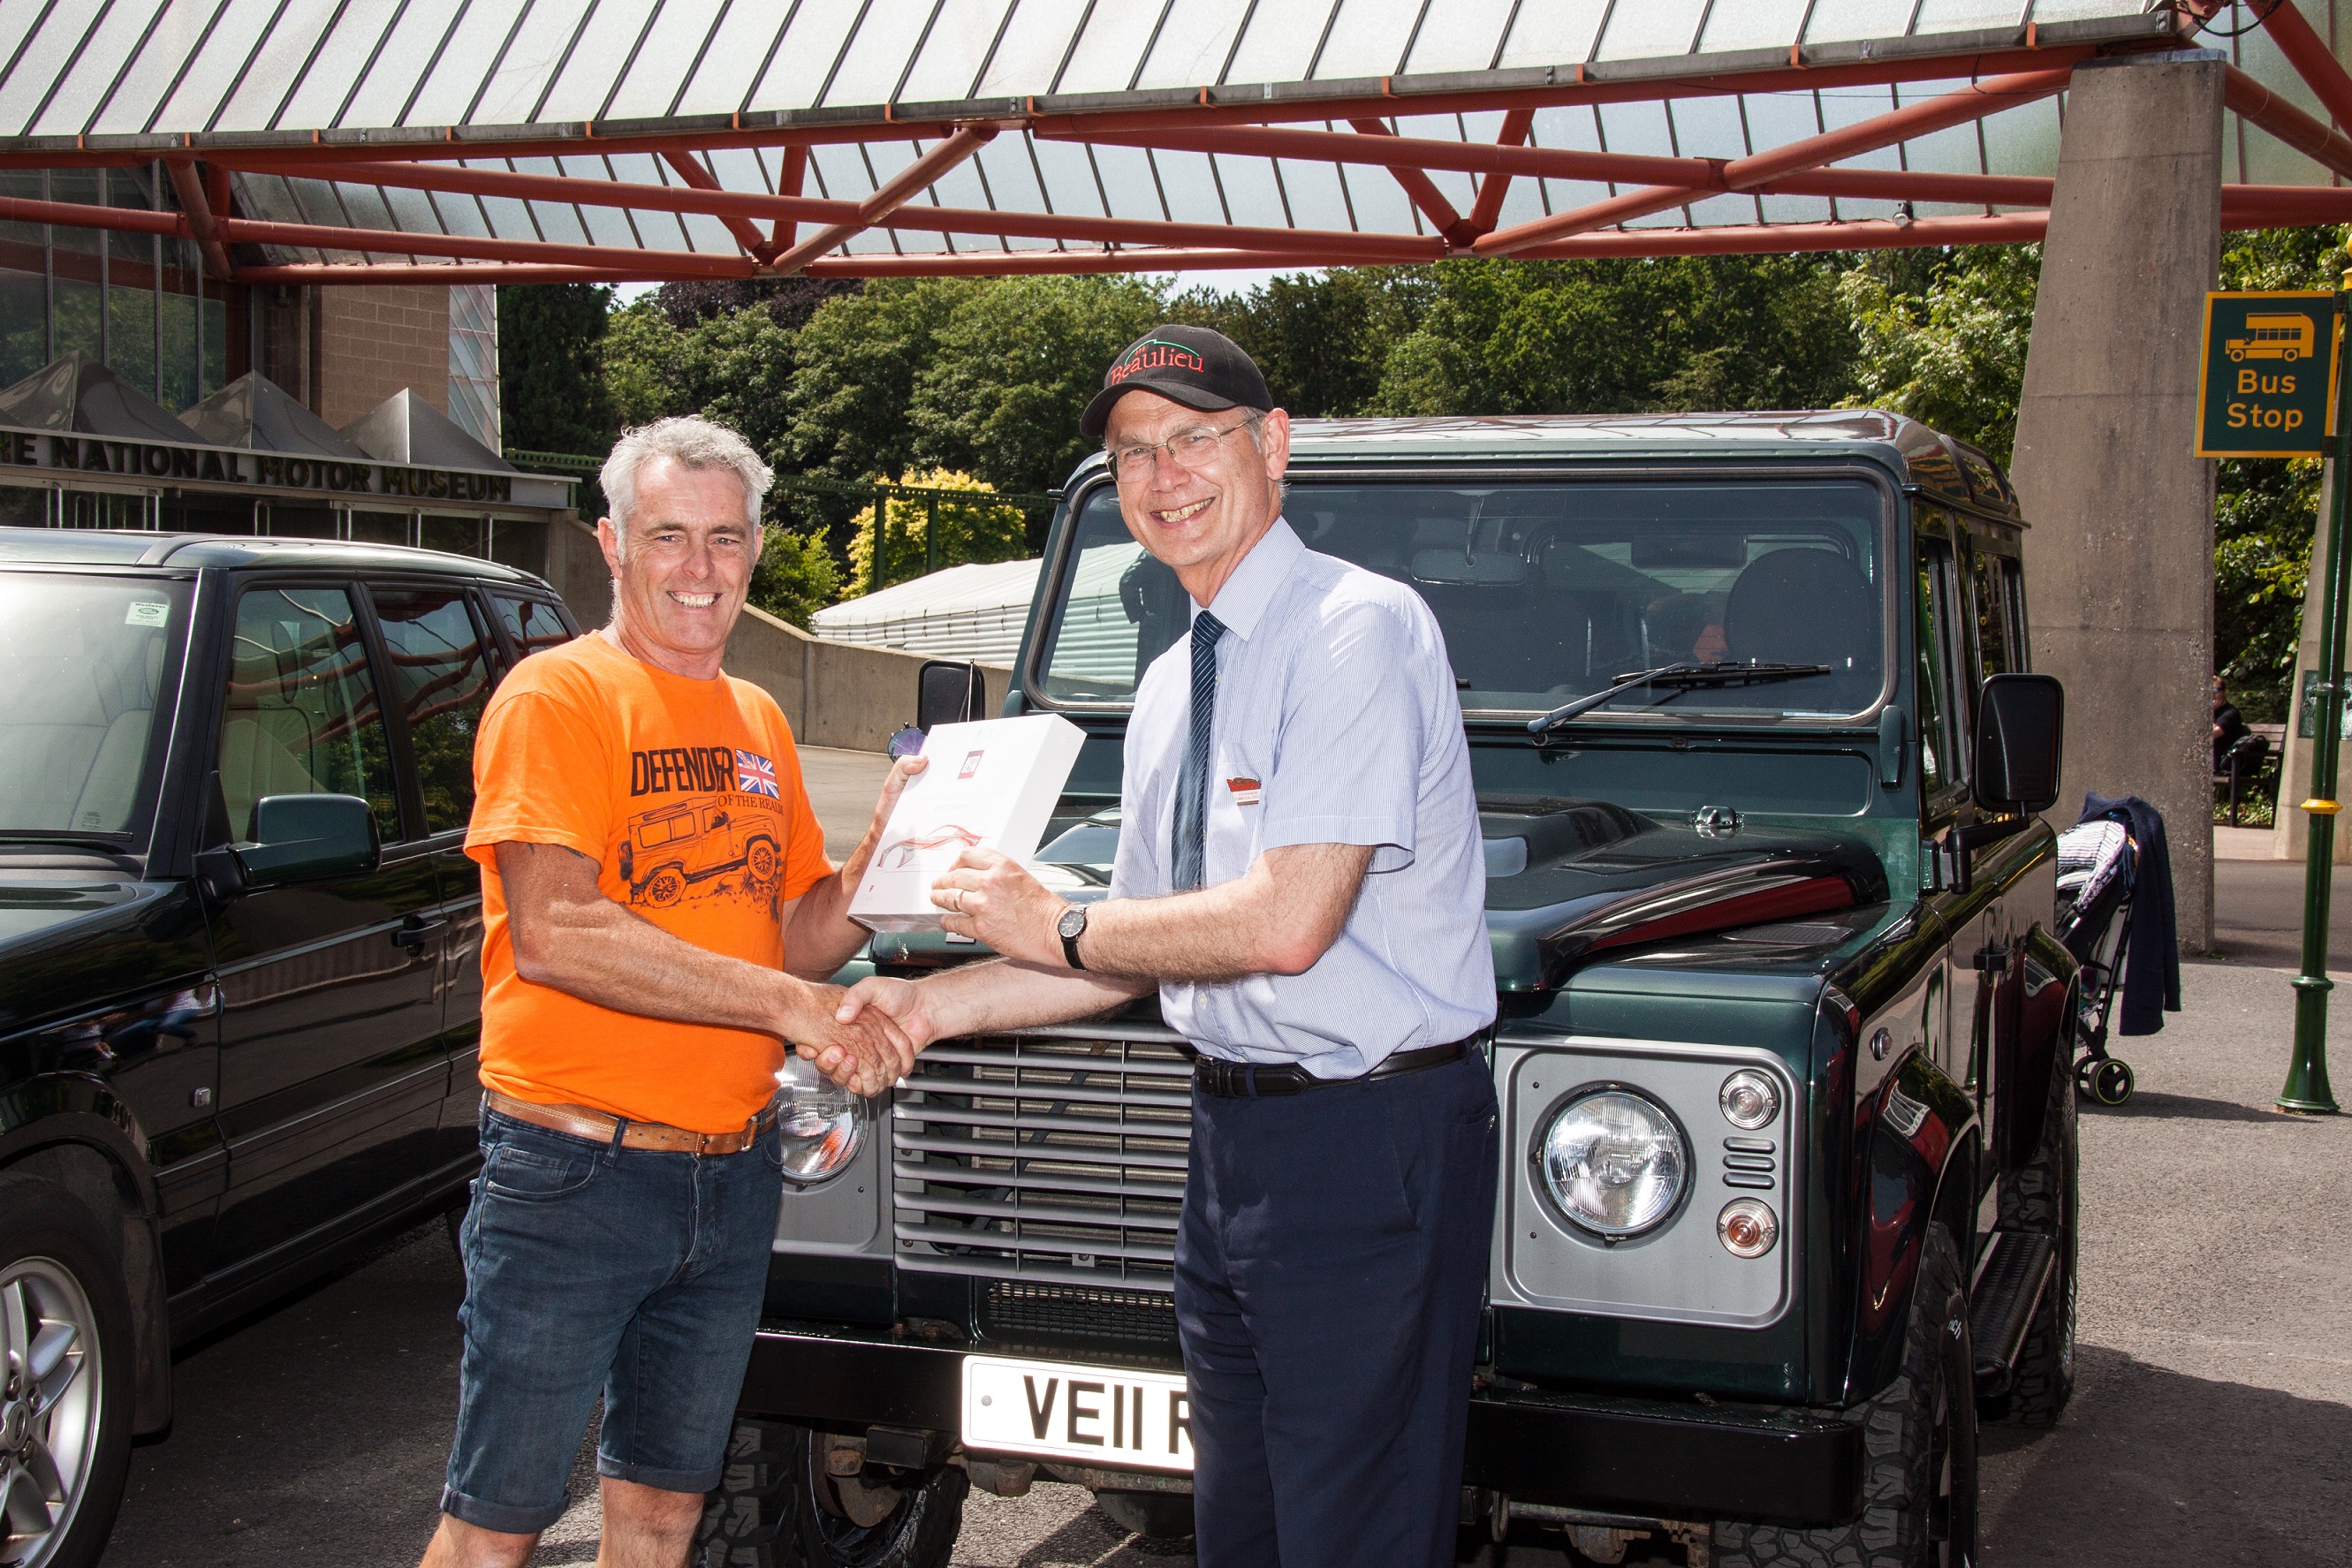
x,y
1050,1156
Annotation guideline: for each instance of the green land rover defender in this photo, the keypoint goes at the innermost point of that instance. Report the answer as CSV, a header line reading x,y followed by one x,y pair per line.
x,y
1788,1200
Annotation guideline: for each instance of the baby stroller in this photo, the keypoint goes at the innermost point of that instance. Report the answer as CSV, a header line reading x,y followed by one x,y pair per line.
x,y
2097,863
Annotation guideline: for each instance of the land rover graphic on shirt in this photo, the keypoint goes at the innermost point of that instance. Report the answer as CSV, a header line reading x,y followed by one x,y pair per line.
x,y
721,843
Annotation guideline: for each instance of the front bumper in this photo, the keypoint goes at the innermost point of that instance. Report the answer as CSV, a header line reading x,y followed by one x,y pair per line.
x,y
1645,1458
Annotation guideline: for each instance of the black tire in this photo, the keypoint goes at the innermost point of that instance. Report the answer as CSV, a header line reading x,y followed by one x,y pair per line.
x,y
2046,1197
1919,1446
58,1264
1153,1515
766,1512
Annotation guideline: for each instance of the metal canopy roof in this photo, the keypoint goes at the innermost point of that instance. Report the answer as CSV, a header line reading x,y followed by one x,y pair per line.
x,y
339,140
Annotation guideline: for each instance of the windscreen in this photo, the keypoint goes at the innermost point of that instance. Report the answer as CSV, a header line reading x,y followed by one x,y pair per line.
x,y
82,664
1548,592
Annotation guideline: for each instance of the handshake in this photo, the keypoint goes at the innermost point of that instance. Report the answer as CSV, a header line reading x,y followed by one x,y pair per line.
x,y
869,1039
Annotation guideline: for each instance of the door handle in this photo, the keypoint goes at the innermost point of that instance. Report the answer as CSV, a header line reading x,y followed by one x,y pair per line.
x,y
414,930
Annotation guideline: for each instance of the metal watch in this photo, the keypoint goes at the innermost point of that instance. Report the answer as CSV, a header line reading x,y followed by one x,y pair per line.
x,y
1072,925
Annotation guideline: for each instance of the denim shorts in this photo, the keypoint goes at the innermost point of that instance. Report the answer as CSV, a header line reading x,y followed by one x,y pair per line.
x,y
593,1267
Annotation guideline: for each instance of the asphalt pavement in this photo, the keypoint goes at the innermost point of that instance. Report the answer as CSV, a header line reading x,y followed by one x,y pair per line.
x,y
2213,1425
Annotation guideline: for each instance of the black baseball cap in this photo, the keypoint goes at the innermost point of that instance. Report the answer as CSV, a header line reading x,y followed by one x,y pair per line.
x,y
1195,366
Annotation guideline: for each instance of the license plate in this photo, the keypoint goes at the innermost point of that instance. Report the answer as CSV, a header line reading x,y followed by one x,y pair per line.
x,y
1109,1415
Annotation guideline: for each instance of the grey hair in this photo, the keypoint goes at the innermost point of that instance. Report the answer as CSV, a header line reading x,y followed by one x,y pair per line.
x,y
690,441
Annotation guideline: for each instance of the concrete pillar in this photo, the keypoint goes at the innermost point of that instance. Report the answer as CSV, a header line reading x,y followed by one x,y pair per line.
x,y
2119,558
2291,837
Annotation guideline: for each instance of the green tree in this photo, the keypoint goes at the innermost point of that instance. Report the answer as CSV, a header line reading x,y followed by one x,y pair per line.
x,y
855,367
1321,340
968,530
795,576
1012,368
551,392
1945,341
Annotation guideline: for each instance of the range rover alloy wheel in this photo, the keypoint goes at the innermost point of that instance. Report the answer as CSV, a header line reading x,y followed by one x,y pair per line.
x,y
775,1508
65,1379
1920,1450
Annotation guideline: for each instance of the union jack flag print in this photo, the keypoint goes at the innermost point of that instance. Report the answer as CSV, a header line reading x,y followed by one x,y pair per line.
x,y
754,774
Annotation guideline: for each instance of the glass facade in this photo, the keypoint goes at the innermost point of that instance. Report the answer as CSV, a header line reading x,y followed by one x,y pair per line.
x,y
139,304
474,362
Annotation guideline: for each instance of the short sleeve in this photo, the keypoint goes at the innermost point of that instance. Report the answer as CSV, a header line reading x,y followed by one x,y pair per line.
x,y
1348,760
542,775
806,864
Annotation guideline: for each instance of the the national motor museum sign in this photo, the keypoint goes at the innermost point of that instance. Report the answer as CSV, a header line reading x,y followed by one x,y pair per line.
x,y
171,464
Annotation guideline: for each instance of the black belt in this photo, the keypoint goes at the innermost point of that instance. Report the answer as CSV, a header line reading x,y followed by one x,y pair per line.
x,y
1250,1080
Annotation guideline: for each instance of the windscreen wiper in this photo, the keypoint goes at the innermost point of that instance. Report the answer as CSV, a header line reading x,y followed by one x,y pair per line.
x,y
1720,673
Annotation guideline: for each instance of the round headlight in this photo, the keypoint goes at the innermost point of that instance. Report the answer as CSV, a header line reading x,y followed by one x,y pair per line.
x,y
1747,1228
1614,1162
1749,1100
822,1125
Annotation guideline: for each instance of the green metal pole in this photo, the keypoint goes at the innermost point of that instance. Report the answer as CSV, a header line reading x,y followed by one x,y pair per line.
x,y
2307,1088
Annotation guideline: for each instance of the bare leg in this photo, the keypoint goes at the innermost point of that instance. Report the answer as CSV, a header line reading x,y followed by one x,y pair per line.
x,y
457,1544
645,1527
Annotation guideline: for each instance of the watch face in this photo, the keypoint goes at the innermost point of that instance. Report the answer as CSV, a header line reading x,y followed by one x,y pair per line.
x,y
1072,922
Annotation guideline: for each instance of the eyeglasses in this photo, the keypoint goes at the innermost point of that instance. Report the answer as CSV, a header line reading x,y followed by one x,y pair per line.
x,y
1193,449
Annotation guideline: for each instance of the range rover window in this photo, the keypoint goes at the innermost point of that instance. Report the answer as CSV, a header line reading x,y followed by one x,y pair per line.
x,y
83,666
533,623
442,677
302,717
1548,592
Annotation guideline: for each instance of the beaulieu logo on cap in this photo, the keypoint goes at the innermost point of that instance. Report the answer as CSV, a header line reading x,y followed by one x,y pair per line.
x,y
1153,354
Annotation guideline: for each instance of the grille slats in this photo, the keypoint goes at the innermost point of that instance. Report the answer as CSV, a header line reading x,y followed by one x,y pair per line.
x,y
1051,1156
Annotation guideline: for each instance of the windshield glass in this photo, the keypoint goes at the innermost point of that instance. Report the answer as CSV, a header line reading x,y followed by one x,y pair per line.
x,y
82,664
1546,591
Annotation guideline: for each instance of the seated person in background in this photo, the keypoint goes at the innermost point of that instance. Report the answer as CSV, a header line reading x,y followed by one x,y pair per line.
x,y
2229,725
1687,626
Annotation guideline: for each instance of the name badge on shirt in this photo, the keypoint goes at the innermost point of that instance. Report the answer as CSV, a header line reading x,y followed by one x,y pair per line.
x,y
1245,790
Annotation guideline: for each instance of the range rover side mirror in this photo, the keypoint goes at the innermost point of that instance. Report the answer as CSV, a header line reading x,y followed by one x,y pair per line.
x,y
2020,736
295,838
948,692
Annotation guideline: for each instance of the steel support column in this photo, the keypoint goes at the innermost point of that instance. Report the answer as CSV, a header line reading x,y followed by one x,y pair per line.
x,y
2120,553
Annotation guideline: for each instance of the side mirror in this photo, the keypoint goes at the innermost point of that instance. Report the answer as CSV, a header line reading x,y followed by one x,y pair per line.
x,y
2020,736
947,691
296,839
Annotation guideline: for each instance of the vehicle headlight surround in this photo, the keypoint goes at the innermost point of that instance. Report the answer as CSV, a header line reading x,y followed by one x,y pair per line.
x,y
820,1124
1614,1162
1749,1100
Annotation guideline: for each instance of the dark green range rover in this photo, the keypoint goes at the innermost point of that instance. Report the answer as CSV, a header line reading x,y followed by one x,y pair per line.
x,y
1788,1195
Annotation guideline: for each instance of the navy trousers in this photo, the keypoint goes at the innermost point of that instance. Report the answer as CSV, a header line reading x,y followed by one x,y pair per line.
x,y
1331,1266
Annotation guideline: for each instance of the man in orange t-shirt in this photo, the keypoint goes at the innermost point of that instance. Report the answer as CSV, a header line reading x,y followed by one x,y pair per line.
x,y
658,919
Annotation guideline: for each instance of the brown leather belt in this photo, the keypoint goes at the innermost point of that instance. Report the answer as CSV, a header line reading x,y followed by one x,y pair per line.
x,y
598,1127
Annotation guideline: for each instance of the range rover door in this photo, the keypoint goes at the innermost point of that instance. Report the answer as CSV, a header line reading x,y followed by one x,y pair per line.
x,y
333,1068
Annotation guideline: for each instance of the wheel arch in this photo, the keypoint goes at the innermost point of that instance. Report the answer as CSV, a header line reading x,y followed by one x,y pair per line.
x,y
1922,1166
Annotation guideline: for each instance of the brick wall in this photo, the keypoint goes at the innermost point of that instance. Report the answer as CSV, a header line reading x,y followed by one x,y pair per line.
x,y
373,340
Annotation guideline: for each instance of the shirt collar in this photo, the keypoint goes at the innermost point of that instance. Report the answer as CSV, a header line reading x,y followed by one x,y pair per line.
x,y
1242,601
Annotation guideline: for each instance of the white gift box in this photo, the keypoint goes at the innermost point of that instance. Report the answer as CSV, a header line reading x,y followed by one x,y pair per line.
x,y
992,785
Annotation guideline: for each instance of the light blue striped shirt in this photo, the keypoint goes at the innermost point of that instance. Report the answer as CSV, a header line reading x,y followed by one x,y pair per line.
x,y
1335,699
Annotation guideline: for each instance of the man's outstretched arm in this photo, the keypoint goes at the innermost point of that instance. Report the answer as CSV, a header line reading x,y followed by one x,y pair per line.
x,y
566,934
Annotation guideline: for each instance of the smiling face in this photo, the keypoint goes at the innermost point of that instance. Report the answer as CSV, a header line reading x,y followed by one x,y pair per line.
x,y
681,581
1201,521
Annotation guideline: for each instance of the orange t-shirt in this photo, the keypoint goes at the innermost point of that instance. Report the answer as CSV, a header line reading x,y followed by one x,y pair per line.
x,y
688,795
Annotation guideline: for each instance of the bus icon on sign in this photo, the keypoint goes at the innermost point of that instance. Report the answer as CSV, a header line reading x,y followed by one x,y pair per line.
x,y
2284,338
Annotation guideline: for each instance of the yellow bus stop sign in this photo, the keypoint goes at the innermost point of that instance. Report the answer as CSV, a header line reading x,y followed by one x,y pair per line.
x,y
2268,389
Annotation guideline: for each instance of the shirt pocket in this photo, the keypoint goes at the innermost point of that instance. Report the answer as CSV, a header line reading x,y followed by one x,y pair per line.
x,y
1236,809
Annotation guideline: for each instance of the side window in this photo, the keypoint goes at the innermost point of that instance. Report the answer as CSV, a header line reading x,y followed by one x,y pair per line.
x,y
2012,583
533,623
1940,713
441,676
1996,649
302,717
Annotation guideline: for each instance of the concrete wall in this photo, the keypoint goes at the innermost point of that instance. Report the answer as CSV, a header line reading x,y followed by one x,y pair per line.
x,y
833,694
374,339
2120,555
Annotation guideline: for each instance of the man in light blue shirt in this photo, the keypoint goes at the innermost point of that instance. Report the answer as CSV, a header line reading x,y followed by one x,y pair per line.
x,y
1299,875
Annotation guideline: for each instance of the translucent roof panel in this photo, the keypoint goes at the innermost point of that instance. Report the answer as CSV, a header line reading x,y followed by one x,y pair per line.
x,y
1140,134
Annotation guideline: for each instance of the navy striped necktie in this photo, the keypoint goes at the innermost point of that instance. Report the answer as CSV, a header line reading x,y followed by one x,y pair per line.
x,y
1188,841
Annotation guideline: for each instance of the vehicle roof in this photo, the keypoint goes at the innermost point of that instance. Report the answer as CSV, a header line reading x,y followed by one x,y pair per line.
x,y
123,546
1938,464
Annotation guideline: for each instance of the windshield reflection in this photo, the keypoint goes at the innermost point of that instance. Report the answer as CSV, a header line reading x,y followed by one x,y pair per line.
x,y
82,662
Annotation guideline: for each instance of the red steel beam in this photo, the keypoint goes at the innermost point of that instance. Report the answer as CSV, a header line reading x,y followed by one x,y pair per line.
x,y
896,192
387,242
1972,102
1518,124
784,230
2260,106
336,272
73,214
2311,59
799,209
196,203
691,170
1419,188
